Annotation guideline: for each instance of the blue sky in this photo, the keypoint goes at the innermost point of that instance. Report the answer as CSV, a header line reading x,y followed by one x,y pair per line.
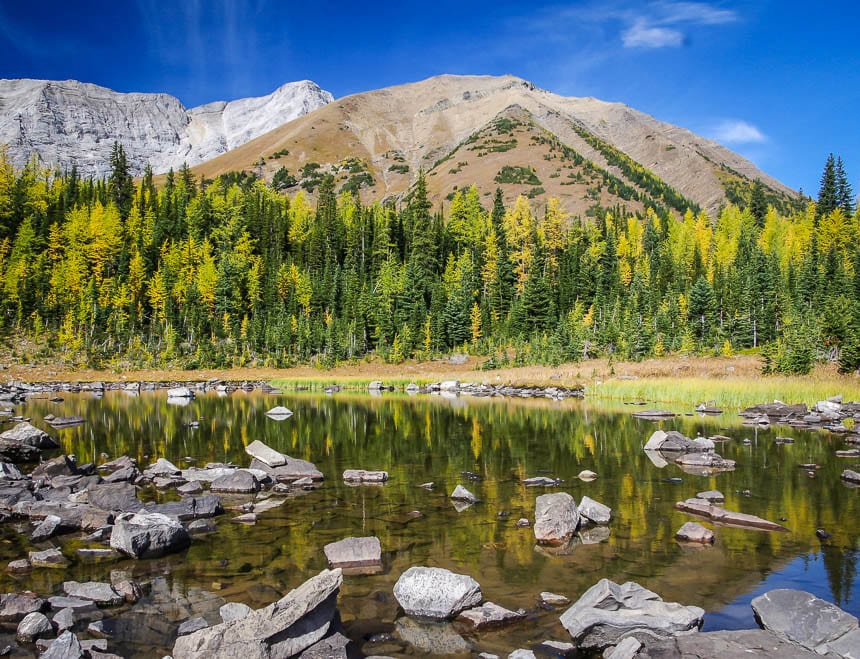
x,y
777,81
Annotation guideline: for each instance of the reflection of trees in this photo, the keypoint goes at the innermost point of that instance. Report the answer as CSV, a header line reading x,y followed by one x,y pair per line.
x,y
427,439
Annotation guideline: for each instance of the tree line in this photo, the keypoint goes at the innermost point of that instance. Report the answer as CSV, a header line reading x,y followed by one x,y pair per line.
x,y
216,273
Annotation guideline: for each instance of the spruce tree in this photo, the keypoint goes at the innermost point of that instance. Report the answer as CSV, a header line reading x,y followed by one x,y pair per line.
x,y
758,203
120,183
844,193
828,199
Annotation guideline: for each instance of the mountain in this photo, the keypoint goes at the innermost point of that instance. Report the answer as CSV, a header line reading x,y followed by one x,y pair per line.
x,y
501,131
73,123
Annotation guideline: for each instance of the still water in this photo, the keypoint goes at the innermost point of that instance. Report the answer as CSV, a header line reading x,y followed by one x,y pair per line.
x,y
429,438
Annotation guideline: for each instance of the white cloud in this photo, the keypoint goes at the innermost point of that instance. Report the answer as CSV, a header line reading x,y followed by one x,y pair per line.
x,y
643,35
696,13
737,131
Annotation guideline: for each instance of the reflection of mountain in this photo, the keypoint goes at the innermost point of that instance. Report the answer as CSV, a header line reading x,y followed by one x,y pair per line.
x,y
427,439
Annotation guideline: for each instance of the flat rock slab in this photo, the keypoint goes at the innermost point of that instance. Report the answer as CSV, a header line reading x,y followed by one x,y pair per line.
x,y
354,552
188,508
741,644
76,604
234,611
489,615
554,599
192,625
50,558
695,532
594,511
363,476
460,493
292,470
799,617
65,646
432,592
117,497
607,613
239,482
295,622
722,516
556,518
102,594
711,495
14,606
266,454
851,476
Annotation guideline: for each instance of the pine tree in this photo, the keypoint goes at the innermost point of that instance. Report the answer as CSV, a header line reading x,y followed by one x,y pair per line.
x,y
758,203
844,193
120,182
828,199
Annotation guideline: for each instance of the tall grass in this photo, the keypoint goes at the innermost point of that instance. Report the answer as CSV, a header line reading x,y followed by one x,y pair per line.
x,y
728,393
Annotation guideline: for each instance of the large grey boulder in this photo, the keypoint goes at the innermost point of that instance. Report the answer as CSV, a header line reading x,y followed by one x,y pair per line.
x,y
283,629
161,467
608,613
31,436
354,552
432,592
800,617
116,497
265,454
148,535
34,625
556,518
240,481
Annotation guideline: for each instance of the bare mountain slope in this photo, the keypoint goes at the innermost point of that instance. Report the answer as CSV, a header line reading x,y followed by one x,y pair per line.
x,y
458,129
72,123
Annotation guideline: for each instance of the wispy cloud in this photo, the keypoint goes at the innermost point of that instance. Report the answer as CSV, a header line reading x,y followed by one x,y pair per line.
x,y
737,131
665,24
643,35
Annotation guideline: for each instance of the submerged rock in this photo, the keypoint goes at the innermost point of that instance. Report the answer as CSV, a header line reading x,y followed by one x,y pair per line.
x,y
556,518
363,476
354,552
608,613
723,516
295,622
432,592
695,532
102,594
432,638
489,615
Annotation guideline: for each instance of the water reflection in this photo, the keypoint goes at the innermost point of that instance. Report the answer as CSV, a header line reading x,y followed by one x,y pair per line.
x,y
422,439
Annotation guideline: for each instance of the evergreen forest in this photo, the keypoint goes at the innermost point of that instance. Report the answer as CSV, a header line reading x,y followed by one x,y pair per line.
x,y
118,273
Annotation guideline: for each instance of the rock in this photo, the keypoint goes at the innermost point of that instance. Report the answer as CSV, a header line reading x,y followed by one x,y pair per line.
x,y
711,495
799,617
47,528
14,606
188,508
97,554
376,385
265,454
435,592
50,558
294,469
553,600
722,516
523,523
489,615
654,415
64,619
21,565
67,421
594,511
655,441
102,594
354,552
180,392
149,535
30,435
626,649
741,644
9,472
117,497
278,414
130,590
34,625
522,654
240,481
190,488
608,612
333,646
75,604
129,474
65,646
695,532
586,475
192,625
431,638
234,611
202,526
449,385
460,493
14,451
283,629
557,649
556,518
247,518
362,476
162,467
537,481
594,535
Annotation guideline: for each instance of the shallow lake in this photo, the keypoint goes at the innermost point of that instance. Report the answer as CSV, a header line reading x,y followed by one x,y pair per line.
x,y
430,438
